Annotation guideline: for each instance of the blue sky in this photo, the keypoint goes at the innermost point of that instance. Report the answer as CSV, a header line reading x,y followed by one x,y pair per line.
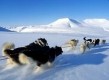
x,y
33,12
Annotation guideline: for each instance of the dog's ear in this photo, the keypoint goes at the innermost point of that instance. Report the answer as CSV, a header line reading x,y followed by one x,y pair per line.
x,y
58,48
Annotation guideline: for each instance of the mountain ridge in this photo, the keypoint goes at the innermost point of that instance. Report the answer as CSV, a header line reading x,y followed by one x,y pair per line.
x,y
62,25
4,29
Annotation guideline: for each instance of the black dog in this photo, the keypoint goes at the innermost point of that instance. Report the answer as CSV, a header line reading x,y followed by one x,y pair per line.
x,y
14,54
90,40
44,55
97,41
38,51
40,56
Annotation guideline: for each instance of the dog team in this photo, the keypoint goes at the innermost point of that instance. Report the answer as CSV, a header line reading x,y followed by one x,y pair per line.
x,y
40,53
86,44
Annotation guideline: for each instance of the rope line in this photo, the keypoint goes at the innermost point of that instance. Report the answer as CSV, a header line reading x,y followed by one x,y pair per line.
x,y
3,59
65,46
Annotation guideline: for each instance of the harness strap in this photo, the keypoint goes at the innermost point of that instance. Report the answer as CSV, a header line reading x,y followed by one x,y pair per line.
x,y
3,59
65,46
2,56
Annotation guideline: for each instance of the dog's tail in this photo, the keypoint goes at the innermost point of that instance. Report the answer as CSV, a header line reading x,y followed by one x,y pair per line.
x,y
7,46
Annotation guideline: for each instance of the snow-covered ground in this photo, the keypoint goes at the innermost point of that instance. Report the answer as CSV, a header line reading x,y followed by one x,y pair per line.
x,y
71,65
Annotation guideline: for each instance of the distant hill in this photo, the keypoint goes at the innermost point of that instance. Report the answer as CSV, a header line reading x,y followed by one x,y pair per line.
x,y
4,29
60,25
67,25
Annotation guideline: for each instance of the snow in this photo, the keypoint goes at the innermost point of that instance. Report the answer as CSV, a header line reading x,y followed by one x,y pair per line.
x,y
98,22
92,65
65,23
18,29
72,64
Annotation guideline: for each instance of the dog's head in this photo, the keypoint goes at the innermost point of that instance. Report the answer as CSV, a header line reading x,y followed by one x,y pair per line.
x,y
58,50
54,52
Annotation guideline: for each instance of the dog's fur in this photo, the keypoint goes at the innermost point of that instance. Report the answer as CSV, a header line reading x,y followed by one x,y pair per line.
x,y
72,43
83,48
8,46
38,51
43,55
97,41
85,40
12,54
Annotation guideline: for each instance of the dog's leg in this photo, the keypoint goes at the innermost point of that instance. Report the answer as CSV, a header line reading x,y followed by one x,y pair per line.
x,y
83,48
9,61
23,59
50,64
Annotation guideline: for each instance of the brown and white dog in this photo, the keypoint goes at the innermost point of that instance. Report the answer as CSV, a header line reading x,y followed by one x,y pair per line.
x,y
72,43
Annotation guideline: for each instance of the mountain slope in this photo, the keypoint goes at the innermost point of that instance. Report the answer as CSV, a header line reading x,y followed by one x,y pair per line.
x,y
60,25
103,23
4,29
18,29
65,23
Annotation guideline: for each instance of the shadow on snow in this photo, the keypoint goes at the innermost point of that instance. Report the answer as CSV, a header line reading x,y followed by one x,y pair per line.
x,y
94,56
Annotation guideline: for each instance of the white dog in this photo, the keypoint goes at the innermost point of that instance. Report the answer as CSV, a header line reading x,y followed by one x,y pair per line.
x,y
72,43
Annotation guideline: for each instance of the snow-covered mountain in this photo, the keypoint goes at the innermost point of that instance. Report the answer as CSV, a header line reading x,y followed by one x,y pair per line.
x,y
18,29
97,22
4,29
104,23
66,25
59,25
